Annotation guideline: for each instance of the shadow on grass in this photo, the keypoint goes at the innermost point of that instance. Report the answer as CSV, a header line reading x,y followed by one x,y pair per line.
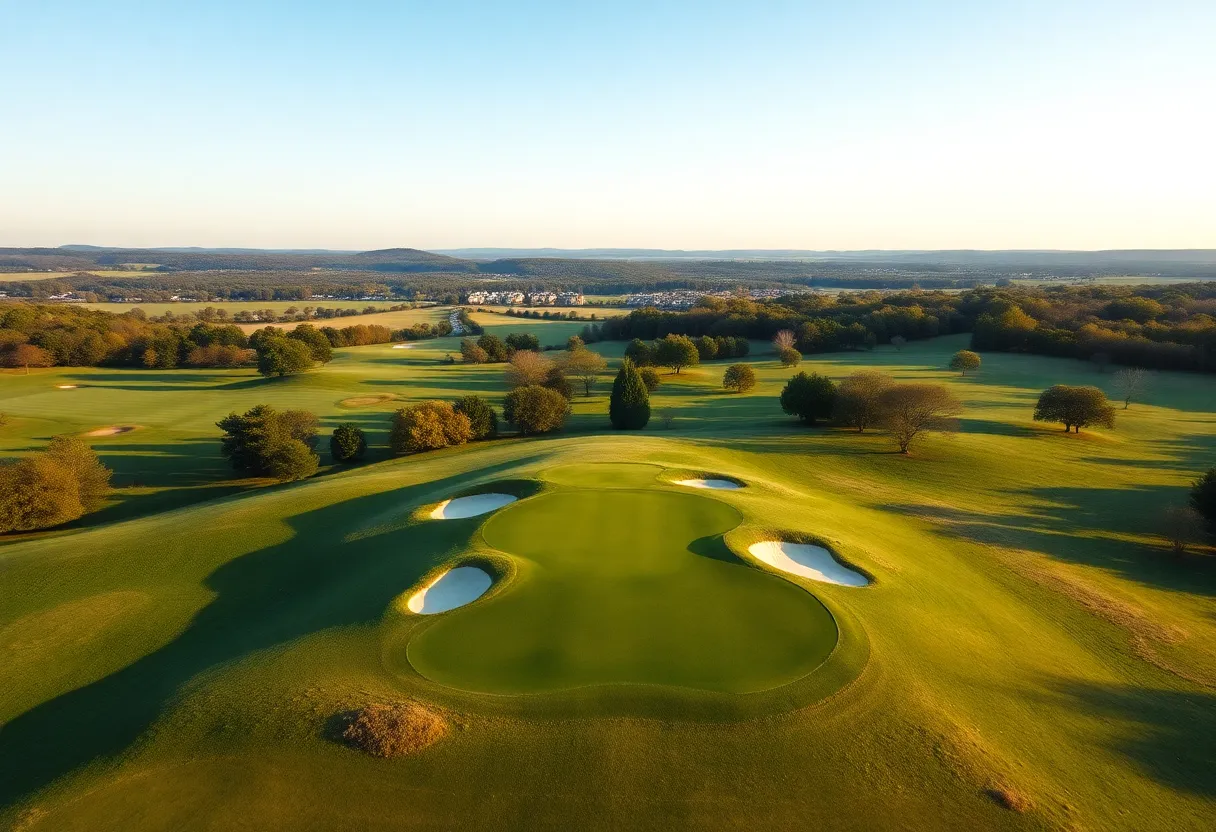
x,y
1076,525
315,581
1170,736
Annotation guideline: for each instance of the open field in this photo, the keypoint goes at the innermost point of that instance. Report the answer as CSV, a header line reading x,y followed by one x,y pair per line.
x,y
16,277
174,660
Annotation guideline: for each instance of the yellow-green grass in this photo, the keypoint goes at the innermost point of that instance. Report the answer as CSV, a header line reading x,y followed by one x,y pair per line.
x,y
1026,630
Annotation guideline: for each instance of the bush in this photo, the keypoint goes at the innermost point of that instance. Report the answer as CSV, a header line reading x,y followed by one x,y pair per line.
x,y
427,426
809,397
535,409
789,357
483,421
523,341
392,730
556,381
910,409
964,360
348,443
1203,498
739,377
629,406
707,348
1182,526
1074,407
266,443
651,378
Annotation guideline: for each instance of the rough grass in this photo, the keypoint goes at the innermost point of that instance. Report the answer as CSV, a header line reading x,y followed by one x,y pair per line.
x,y
391,730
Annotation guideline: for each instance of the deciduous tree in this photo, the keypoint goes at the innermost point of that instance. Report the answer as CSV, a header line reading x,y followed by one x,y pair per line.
x,y
1074,407
534,410
739,377
809,397
965,360
858,399
909,410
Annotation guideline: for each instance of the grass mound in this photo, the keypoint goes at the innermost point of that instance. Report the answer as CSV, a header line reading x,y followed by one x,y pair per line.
x,y
1009,798
391,730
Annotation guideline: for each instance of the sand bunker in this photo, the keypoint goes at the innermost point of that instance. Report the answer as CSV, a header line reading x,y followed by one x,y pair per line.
x,y
65,386
471,506
718,485
403,346
807,561
367,401
112,430
452,589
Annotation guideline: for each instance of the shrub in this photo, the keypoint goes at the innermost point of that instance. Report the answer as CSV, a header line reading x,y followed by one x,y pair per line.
x,y
556,381
348,443
1074,407
92,478
576,342
629,406
392,730
858,399
677,352
1183,525
535,409
789,357
651,378
911,409
483,421
427,426
964,360
291,460
220,355
739,377
809,397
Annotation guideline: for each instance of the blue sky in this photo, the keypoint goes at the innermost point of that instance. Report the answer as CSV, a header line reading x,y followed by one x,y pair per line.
x,y
679,125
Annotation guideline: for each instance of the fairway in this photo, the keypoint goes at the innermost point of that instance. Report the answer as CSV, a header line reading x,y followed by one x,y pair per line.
x,y
626,586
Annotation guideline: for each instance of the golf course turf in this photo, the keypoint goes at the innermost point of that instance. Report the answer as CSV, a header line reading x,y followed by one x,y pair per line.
x,y
1027,639
626,586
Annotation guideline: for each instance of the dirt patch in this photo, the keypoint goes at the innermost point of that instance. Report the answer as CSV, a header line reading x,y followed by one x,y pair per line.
x,y
1009,798
111,430
66,386
367,401
389,730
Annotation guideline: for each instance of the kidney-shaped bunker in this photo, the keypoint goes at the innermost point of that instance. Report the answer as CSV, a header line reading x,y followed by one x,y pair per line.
x,y
807,561
471,506
454,588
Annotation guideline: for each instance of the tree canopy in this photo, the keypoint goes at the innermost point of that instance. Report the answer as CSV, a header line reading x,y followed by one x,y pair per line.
x,y
629,406
739,377
809,397
1074,407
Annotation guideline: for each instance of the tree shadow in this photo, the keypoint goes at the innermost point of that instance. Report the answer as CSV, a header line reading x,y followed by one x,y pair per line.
x,y
1173,740
1077,525
317,580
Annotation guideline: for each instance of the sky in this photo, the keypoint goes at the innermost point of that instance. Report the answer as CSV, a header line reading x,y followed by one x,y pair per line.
x,y
697,125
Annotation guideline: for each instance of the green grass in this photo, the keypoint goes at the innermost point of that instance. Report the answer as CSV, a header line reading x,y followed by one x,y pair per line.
x,y
172,662
626,587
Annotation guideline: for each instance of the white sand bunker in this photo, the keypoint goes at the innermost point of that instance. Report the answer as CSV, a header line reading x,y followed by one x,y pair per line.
x,y
814,562
454,588
112,430
718,485
65,386
471,506
403,346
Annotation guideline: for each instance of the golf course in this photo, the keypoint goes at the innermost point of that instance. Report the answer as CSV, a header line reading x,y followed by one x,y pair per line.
x,y
728,619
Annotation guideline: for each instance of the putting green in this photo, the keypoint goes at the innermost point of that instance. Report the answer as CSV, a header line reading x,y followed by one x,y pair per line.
x,y
625,586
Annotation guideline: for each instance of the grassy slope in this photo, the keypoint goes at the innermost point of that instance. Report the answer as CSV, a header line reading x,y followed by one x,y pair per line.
x,y
1024,628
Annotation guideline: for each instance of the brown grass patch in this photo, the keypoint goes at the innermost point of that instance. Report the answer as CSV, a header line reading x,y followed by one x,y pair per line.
x,y
367,401
391,730
1009,798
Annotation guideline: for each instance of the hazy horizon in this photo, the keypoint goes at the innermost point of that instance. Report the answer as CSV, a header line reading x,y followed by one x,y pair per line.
x,y
882,126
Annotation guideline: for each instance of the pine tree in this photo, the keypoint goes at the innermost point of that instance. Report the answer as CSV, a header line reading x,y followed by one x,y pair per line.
x,y
629,408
